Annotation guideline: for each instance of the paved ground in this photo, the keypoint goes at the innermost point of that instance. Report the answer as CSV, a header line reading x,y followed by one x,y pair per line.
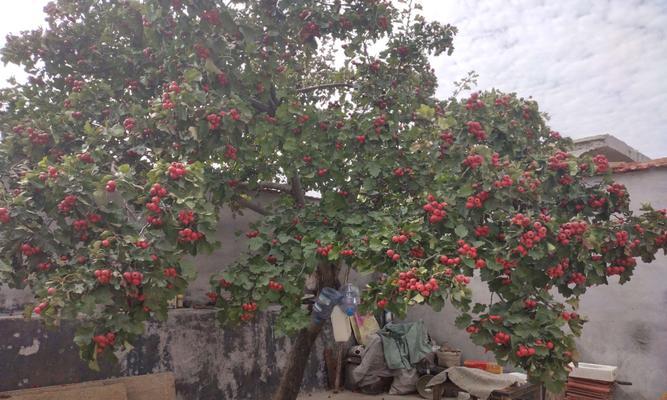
x,y
356,396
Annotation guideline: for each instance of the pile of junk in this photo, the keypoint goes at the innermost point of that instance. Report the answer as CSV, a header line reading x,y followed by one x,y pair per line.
x,y
378,355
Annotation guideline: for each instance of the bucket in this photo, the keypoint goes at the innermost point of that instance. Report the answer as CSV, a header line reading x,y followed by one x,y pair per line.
x,y
449,357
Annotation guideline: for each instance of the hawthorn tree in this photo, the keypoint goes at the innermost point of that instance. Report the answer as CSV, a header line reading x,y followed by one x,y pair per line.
x,y
141,119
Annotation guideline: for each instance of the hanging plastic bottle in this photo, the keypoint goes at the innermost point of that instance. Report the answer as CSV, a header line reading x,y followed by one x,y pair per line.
x,y
351,299
326,301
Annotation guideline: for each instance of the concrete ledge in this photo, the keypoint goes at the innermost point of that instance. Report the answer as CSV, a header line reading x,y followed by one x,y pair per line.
x,y
208,361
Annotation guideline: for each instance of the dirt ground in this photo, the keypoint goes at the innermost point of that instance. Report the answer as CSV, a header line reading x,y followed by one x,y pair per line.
x,y
357,396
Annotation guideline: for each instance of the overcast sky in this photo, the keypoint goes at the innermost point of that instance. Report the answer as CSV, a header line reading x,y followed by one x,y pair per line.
x,y
595,66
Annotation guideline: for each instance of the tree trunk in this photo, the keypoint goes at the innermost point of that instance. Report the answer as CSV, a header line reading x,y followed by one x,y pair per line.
x,y
290,382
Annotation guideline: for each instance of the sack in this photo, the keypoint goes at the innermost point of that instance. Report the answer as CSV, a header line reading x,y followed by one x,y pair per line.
x,y
448,357
405,381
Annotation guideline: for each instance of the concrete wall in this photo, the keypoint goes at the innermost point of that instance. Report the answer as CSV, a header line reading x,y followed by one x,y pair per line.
x,y
209,362
627,324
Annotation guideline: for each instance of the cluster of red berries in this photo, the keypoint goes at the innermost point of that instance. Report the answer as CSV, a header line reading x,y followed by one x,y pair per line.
x,y
142,244
529,304
224,283
80,225
475,129
532,237
276,286
309,30
393,255
601,163
473,161
223,80
401,171
571,230
38,138
474,102
67,204
211,16
620,265
477,201
435,209
462,279
4,215
170,273
214,121
569,315
44,266
528,182
382,303
104,341
525,351
521,220
577,278
472,329
558,161
85,158
248,309
501,338
482,231
201,51
176,170
322,171
158,190
502,101
347,252
323,250
94,218
597,202
617,189
186,217
231,152
103,276
252,234
133,278
167,104
29,250
466,250
505,181
129,123
444,260
622,238
379,122
447,140
408,281
558,270
188,235
361,139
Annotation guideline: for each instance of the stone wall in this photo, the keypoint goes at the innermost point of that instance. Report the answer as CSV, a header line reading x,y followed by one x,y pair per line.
x,y
209,362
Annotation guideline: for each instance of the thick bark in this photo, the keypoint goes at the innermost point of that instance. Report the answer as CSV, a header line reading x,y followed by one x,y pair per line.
x,y
290,382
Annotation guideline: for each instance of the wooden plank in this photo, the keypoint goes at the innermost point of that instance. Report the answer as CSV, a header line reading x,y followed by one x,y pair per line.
x,y
143,387
115,391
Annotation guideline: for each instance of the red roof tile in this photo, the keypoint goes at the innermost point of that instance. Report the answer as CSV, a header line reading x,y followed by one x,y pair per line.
x,y
620,167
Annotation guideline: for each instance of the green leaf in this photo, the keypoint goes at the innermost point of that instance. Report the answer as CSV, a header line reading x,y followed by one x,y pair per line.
x,y
461,231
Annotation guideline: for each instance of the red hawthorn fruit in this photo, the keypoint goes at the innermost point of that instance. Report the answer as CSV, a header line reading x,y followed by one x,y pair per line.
x,y
382,303
4,215
111,186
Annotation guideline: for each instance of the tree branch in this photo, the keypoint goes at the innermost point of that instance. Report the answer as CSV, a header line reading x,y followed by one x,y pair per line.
x,y
243,203
324,86
281,187
297,191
